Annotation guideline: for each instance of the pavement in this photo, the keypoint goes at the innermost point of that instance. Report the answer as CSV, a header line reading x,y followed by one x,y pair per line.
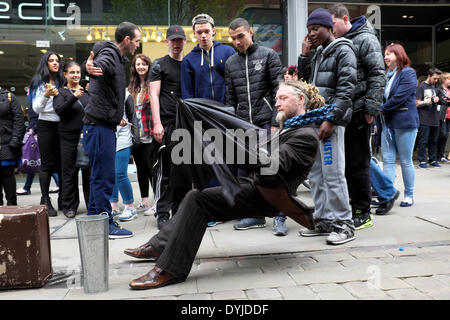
x,y
404,256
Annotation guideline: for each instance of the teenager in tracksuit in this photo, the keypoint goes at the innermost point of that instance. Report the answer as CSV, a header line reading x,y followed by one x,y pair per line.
x,y
333,70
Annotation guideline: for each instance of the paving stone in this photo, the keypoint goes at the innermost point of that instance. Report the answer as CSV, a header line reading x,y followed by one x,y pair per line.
x,y
257,262
407,294
338,294
427,284
333,257
443,295
323,287
402,259
362,289
195,296
297,293
407,251
362,262
263,293
369,254
217,265
229,295
393,283
444,278
325,265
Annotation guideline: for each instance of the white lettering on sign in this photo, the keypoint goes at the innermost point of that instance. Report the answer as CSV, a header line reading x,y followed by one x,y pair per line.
x,y
25,6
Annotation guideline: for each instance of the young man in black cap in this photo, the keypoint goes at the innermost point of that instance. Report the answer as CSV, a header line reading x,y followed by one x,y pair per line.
x,y
165,89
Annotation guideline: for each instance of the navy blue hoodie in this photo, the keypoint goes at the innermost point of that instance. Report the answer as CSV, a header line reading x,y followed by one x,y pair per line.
x,y
199,79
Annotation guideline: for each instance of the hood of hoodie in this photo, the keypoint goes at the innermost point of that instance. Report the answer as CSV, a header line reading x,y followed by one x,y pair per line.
x,y
335,44
360,25
99,46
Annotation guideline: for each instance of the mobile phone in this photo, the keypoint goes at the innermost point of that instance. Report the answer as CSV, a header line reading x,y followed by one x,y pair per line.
x,y
83,83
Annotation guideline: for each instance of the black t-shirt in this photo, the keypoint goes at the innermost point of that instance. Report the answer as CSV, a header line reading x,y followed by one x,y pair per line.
x,y
167,70
429,114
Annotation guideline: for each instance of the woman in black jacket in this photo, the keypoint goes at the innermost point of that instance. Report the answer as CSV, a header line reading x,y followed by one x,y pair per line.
x,y
12,129
69,105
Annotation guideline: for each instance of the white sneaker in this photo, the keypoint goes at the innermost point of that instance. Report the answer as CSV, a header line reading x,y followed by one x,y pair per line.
x,y
342,235
142,207
150,211
128,214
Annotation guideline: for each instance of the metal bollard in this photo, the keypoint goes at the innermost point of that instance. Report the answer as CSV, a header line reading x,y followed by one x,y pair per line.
x,y
94,252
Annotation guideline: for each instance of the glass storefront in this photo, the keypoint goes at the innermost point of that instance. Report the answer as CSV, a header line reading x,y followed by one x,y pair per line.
x,y
71,27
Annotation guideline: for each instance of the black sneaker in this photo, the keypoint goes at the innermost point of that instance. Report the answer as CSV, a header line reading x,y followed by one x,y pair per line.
x,y
362,220
162,220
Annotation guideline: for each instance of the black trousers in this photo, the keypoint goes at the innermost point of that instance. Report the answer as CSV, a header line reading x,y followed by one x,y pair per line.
x,y
49,147
70,199
8,184
357,162
444,129
427,137
168,191
142,158
179,240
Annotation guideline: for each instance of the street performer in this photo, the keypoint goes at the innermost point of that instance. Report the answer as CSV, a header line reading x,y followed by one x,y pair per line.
x,y
175,246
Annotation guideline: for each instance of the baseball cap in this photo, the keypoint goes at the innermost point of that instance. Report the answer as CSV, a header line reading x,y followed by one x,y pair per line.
x,y
175,32
202,18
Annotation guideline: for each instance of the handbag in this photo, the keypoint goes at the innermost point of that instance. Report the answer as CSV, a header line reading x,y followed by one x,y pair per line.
x,y
82,160
31,157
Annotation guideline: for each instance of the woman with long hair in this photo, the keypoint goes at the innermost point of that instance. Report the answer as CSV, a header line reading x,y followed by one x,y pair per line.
x,y
69,104
139,91
400,119
44,87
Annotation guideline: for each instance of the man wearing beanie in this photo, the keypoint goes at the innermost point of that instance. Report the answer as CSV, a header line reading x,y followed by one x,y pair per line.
x,y
333,70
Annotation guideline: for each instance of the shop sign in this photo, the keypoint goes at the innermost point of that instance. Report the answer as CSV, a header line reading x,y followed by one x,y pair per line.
x,y
23,7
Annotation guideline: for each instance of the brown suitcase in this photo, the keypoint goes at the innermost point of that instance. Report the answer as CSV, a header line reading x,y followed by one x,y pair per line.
x,y
25,257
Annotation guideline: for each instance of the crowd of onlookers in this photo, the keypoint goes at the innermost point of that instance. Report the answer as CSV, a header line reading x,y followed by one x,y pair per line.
x,y
379,105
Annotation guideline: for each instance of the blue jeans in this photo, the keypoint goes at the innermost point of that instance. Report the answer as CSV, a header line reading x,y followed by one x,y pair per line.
x,y
100,145
122,184
401,142
381,183
30,178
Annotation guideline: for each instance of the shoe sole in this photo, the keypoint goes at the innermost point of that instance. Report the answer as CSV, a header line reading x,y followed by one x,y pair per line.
x,y
368,224
314,234
251,227
113,237
280,234
128,219
335,243
151,259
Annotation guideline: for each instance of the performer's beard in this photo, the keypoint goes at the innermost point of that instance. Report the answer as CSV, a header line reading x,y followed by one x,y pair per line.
x,y
282,116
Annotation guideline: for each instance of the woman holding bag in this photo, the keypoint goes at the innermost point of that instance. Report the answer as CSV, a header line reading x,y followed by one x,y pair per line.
x,y
69,105
44,86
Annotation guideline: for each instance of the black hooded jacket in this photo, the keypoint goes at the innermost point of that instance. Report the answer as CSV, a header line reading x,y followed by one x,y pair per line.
x,y
336,76
12,126
107,92
252,79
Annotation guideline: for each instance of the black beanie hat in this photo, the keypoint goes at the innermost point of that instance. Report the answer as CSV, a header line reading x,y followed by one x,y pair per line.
x,y
321,17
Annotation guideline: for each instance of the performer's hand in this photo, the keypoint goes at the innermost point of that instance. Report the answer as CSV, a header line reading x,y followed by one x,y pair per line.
x,y
158,132
123,122
90,68
325,130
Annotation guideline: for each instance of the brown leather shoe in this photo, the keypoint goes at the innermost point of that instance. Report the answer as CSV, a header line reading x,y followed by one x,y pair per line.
x,y
145,251
155,278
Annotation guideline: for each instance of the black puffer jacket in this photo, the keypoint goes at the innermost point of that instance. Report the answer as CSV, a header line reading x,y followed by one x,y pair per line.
x,y
371,69
336,76
107,92
251,80
12,127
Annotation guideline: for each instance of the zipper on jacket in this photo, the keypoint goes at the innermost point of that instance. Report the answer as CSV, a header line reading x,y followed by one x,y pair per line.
x,y
248,89
210,78
270,107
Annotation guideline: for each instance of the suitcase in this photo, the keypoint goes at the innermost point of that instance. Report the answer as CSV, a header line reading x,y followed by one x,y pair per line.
x,y
25,256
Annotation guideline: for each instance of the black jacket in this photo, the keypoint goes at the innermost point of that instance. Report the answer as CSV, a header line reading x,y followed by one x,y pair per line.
x,y
371,78
132,118
70,110
107,92
252,80
336,76
12,127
